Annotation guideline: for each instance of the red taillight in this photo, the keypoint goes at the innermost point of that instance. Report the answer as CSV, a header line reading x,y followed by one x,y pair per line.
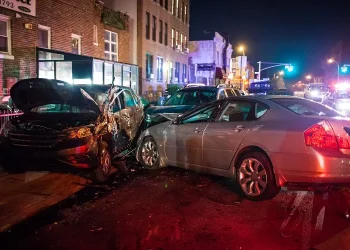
x,y
321,135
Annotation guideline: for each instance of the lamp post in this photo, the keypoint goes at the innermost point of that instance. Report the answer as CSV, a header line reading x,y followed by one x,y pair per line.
x,y
241,49
330,61
288,66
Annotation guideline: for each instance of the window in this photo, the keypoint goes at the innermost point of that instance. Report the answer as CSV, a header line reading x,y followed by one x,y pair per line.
x,y
183,11
186,11
173,7
260,110
154,28
159,69
217,58
177,9
148,25
305,107
222,95
171,72
184,73
181,40
76,44
44,37
177,37
236,112
165,34
173,38
203,115
5,40
166,4
129,99
161,3
111,46
191,97
177,71
160,31
149,66
95,34
186,41
231,92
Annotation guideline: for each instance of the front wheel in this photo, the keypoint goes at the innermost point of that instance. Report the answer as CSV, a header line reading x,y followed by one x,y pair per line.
x,y
149,155
103,170
256,178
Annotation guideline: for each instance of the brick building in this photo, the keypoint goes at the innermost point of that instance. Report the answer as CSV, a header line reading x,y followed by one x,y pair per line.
x,y
162,33
76,41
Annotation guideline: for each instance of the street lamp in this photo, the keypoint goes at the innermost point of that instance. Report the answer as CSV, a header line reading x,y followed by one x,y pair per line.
x,y
330,61
241,49
308,77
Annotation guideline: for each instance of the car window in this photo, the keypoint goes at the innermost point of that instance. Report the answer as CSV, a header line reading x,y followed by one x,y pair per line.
x,y
260,110
116,105
222,95
235,112
129,100
305,107
230,92
201,116
193,97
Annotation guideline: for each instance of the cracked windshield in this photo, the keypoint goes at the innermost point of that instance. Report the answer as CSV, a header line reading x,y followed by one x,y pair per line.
x,y
174,124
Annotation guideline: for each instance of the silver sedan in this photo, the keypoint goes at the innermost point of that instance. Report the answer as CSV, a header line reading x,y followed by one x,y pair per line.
x,y
263,142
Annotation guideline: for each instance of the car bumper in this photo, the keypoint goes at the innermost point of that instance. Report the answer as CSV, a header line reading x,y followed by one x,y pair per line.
x,y
314,168
81,156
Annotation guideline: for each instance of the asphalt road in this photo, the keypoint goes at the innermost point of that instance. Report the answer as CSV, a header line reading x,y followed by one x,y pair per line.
x,y
177,209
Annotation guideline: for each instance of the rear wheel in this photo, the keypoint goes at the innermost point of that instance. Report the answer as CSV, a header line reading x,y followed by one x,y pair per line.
x,y
103,170
256,178
149,155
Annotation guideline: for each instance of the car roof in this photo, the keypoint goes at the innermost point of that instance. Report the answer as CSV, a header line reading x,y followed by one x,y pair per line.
x,y
210,88
263,97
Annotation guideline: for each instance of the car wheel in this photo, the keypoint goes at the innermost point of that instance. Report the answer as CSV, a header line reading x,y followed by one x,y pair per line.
x,y
256,178
149,155
103,170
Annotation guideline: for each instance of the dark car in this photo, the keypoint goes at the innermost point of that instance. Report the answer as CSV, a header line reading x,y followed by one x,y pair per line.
x,y
83,126
188,98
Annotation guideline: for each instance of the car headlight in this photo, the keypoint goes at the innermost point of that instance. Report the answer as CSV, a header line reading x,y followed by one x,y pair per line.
x,y
343,106
315,93
80,133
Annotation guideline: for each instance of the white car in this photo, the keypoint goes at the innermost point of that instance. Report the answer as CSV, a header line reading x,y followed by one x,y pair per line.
x,y
264,142
195,85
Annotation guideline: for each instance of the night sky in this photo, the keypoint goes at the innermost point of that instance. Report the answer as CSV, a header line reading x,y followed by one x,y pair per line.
x,y
299,32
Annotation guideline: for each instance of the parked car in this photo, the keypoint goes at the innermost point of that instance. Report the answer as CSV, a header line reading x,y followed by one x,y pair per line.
x,y
84,126
264,142
188,98
195,85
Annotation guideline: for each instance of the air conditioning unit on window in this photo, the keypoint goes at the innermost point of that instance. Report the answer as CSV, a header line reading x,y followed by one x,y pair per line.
x,y
178,47
187,50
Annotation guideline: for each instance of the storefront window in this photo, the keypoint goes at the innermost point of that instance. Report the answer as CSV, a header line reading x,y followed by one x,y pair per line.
x,y
118,74
126,76
64,71
108,73
98,72
46,70
134,77
43,55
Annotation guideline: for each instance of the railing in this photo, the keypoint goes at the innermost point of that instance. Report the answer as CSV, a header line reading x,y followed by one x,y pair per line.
x,y
7,115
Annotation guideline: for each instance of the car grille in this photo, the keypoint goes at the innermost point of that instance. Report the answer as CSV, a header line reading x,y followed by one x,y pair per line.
x,y
36,140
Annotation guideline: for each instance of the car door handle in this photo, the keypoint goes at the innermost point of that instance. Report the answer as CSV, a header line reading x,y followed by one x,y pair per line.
x,y
198,130
239,128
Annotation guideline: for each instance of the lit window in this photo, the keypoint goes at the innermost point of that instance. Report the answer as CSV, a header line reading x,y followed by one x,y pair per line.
x,y
177,9
148,26
5,40
181,40
111,46
149,66
159,69
186,11
185,43
173,7
44,36
95,41
173,38
76,44
154,28
177,38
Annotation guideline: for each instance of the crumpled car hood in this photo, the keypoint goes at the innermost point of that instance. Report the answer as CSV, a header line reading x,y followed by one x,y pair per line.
x,y
31,93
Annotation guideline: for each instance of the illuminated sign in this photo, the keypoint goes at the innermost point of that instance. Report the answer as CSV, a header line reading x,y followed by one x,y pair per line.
x,y
23,6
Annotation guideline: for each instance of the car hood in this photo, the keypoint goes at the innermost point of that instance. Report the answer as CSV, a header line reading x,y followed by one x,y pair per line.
x,y
169,109
31,93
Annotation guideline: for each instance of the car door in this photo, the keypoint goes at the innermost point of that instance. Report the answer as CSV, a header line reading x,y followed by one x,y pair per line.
x,y
183,140
128,119
222,138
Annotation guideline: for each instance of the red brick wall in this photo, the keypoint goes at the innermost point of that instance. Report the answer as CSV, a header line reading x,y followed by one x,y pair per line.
x,y
65,18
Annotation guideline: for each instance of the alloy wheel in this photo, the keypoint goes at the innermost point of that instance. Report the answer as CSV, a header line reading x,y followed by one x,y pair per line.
x,y
149,153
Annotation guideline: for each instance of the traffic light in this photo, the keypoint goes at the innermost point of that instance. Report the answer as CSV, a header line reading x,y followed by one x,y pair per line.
x,y
344,69
289,68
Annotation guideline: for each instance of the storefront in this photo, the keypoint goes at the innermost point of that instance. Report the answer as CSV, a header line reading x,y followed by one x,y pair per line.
x,y
79,69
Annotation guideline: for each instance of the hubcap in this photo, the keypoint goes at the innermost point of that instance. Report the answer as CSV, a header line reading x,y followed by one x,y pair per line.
x,y
105,161
252,177
149,153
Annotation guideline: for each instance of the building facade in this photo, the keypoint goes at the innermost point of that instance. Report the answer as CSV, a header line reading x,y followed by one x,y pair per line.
x,y
163,31
241,72
79,41
209,60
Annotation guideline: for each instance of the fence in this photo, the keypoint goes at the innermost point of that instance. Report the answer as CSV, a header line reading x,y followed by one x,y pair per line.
x,y
6,115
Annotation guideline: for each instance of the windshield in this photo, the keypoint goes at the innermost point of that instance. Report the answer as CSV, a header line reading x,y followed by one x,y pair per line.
x,y
305,107
343,94
195,97
60,108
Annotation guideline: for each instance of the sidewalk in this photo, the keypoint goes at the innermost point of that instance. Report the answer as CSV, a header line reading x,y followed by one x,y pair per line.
x,y
24,195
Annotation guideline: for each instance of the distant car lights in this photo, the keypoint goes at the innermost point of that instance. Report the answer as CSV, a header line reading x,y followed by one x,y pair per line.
x,y
342,86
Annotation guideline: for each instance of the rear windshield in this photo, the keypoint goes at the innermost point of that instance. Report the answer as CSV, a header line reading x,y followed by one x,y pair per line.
x,y
191,96
305,107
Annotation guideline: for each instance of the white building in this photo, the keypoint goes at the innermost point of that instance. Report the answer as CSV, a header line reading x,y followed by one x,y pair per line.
x,y
209,60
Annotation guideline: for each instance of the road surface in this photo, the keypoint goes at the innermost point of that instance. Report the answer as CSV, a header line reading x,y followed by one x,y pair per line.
x,y
177,209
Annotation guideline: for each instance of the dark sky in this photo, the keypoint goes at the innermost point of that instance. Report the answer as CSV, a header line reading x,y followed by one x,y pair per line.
x,y
299,32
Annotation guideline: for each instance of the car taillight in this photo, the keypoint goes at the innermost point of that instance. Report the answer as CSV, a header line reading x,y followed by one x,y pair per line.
x,y
321,135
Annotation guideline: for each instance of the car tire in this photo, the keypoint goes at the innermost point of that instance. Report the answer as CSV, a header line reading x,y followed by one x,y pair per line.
x,y
255,177
149,154
103,170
